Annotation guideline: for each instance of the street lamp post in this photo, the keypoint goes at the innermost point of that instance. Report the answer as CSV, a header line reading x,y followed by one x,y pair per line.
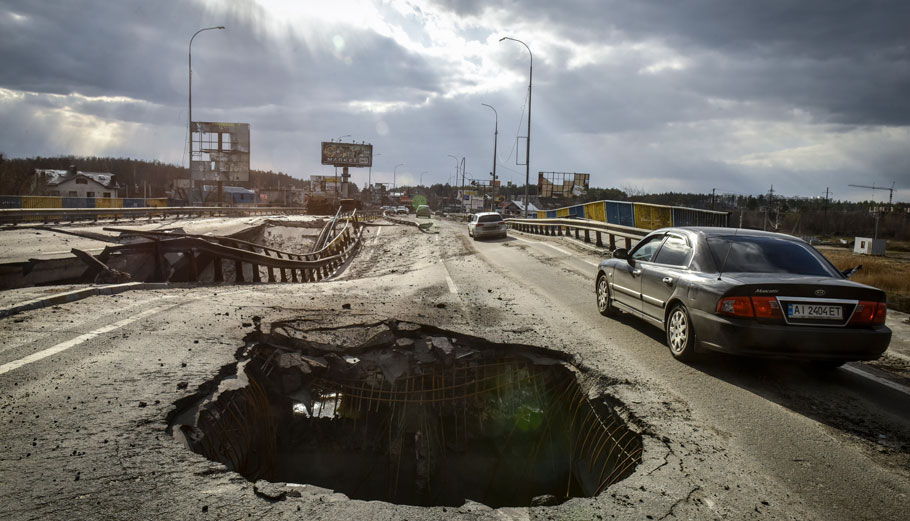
x,y
339,138
495,140
528,149
456,172
189,125
462,181
370,174
421,176
395,174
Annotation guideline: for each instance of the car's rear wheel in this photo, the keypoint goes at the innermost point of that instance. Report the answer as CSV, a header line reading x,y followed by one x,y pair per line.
x,y
604,305
680,334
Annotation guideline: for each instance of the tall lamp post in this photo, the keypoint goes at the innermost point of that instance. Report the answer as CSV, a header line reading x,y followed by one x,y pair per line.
x,y
395,174
421,176
462,181
495,140
456,172
528,150
189,125
370,174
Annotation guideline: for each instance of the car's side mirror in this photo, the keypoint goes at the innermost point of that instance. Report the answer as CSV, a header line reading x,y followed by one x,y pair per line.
x,y
620,253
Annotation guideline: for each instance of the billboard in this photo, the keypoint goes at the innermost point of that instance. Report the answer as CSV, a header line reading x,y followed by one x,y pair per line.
x,y
562,184
347,154
324,183
220,151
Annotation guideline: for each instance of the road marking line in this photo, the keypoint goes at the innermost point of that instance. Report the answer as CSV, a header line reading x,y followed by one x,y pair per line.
x,y
882,381
452,287
63,346
557,248
376,238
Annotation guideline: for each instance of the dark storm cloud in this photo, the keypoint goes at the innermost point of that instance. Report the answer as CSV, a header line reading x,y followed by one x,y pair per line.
x,y
139,50
844,60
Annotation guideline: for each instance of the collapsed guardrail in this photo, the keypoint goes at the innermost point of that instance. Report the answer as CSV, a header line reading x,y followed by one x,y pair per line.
x,y
198,252
582,229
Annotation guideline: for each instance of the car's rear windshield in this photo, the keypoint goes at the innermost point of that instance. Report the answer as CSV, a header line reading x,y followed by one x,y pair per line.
x,y
766,255
489,218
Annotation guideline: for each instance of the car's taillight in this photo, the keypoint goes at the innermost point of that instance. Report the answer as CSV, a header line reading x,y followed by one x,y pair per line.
x,y
750,307
766,307
736,306
869,312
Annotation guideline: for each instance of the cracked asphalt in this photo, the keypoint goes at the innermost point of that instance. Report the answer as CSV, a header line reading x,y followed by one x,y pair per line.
x,y
84,427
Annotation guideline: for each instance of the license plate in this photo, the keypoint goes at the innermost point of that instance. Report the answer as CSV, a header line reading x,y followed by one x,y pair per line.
x,y
815,311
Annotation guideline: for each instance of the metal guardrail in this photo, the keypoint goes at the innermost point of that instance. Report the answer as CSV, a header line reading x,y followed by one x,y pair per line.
x,y
200,251
47,215
582,229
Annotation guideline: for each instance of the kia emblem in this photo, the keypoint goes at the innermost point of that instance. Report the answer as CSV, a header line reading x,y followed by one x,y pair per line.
x,y
819,293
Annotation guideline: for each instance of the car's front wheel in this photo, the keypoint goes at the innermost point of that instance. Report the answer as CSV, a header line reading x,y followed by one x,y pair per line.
x,y
680,334
604,305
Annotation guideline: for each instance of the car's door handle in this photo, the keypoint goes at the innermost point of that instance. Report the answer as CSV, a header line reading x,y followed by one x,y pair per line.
x,y
667,280
636,272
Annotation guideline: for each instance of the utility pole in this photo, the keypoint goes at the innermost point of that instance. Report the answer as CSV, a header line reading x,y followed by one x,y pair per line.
x,y
825,222
874,188
495,140
462,181
770,201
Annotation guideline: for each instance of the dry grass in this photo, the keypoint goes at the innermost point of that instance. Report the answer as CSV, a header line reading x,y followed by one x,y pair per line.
x,y
890,274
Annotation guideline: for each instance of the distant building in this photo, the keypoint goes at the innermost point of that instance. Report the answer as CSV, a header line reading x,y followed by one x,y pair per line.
x,y
282,196
232,195
73,183
869,246
517,208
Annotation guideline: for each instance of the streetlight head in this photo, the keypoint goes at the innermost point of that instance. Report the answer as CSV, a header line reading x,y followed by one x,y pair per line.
x,y
504,38
220,27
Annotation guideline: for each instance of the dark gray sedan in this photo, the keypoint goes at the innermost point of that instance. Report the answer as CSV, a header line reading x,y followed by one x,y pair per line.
x,y
744,292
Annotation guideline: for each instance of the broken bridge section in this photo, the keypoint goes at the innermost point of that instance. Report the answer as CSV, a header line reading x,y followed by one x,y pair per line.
x,y
415,415
257,254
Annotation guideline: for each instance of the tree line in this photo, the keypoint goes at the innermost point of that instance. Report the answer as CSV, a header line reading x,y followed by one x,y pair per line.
x,y
135,176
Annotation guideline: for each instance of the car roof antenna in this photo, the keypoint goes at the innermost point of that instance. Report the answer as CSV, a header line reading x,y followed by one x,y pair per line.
x,y
724,264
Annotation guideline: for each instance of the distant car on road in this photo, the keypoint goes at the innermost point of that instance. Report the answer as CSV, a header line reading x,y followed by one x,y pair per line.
x,y
486,224
423,211
401,210
744,292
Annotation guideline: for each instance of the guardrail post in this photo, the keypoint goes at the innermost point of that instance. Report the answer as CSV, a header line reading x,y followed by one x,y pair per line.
x,y
238,271
159,263
271,270
600,242
628,243
588,236
612,242
256,276
194,270
284,276
219,274
577,237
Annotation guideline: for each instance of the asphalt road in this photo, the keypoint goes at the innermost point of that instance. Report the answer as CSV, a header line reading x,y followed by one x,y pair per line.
x,y
86,390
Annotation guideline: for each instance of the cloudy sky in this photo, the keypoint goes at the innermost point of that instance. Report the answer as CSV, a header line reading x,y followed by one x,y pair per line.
x,y
653,95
